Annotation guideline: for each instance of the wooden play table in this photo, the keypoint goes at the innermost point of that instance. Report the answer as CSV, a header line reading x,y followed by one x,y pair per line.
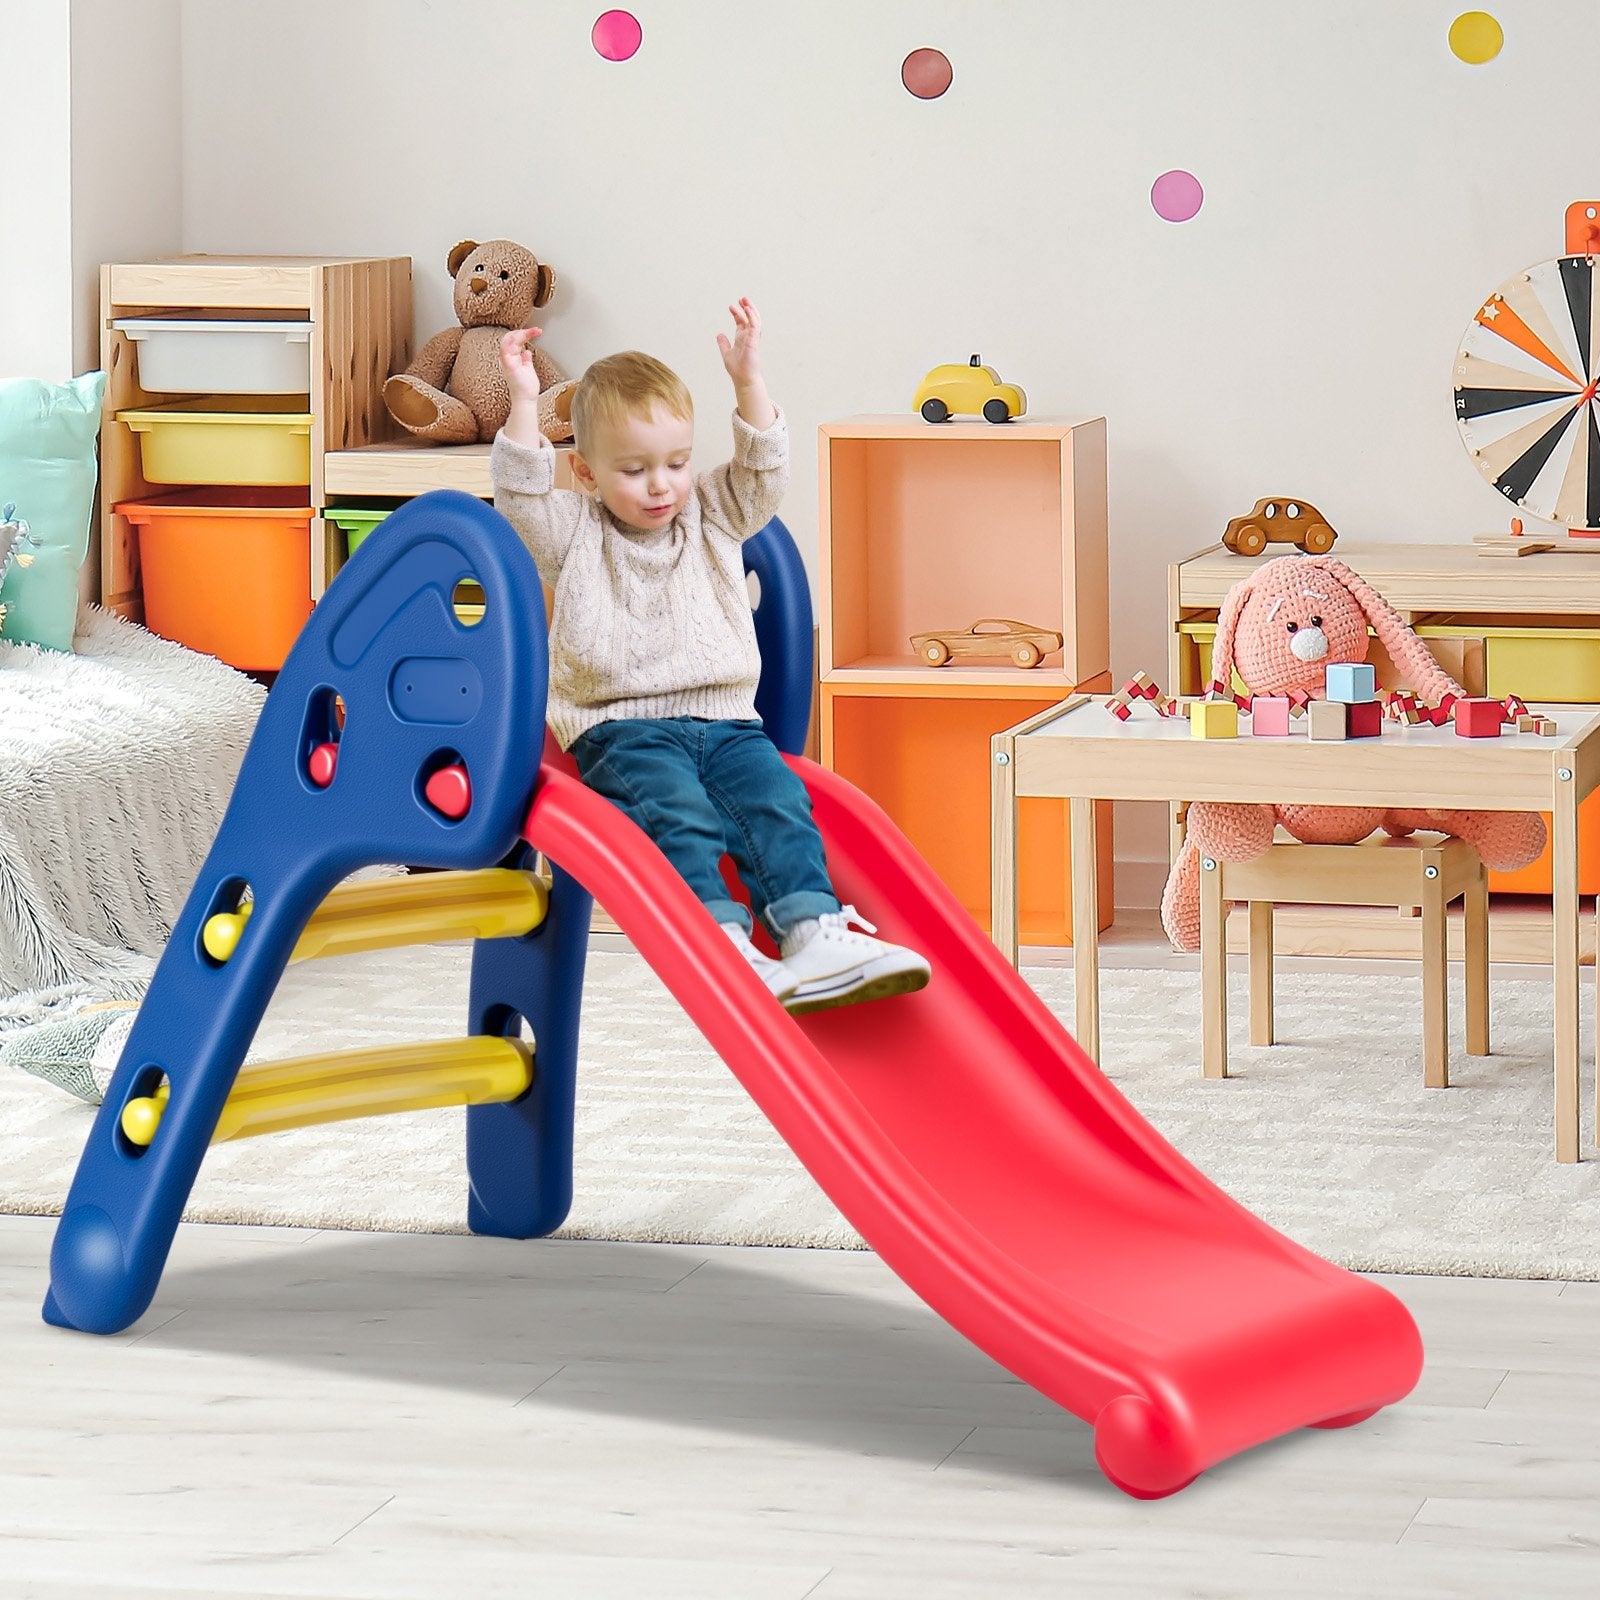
x,y
1077,752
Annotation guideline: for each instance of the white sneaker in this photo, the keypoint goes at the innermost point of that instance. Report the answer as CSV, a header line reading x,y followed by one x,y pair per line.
x,y
774,974
832,965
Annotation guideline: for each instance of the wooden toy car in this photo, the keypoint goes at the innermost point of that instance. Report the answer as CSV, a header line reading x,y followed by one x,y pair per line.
x,y
973,390
1026,645
1280,520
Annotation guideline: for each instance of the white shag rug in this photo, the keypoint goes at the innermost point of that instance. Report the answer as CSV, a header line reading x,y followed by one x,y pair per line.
x,y
116,764
1330,1136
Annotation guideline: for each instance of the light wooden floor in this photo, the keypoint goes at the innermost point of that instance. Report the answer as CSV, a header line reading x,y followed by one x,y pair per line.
x,y
387,1416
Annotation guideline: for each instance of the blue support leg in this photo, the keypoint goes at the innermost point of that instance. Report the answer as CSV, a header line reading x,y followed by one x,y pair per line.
x,y
519,1155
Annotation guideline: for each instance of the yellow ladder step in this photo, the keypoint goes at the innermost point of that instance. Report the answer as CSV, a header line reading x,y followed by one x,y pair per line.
x,y
421,908
274,1095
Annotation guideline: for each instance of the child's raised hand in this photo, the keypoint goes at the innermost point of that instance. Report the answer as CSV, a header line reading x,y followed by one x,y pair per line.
x,y
516,356
742,354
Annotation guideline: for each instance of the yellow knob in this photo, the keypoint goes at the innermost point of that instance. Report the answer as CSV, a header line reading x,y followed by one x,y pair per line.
x,y
140,1119
223,931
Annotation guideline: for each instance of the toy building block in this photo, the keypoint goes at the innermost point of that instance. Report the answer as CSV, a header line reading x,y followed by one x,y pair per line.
x,y
1526,721
1352,682
1364,720
1140,686
1269,716
1440,714
1400,705
1515,708
1478,719
1545,726
1298,701
1214,719
1118,706
1330,719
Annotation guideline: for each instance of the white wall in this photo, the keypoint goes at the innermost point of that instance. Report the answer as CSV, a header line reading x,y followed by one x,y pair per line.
x,y
1364,191
127,146
127,163
36,191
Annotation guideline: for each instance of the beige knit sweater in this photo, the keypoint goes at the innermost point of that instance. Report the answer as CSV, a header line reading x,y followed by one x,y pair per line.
x,y
650,624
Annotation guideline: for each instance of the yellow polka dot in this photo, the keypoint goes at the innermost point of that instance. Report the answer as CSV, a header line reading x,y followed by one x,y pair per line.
x,y
1476,37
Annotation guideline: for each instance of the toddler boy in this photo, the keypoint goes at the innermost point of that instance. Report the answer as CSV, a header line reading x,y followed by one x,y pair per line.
x,y
653,655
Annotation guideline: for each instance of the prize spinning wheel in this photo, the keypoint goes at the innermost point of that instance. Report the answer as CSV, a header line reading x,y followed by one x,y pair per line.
x,y
1525,382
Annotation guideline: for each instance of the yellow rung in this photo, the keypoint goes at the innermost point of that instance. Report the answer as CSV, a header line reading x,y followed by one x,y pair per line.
x,y
424,908
275,1095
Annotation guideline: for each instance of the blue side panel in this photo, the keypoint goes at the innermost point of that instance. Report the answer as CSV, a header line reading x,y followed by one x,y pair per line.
x,y
519,1155
783,630
385,670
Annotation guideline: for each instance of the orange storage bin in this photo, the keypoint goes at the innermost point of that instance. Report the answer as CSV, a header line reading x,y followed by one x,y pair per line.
x,y
226,571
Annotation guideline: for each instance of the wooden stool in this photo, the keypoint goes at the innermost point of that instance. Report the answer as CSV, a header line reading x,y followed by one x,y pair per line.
x,y
1427,872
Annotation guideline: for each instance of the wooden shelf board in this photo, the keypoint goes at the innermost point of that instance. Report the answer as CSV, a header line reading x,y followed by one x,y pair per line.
x,y
1423,578
877,674
405,467
908,425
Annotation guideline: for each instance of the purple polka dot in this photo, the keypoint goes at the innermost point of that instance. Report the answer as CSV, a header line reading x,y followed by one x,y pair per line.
x,y
1176,195
616,35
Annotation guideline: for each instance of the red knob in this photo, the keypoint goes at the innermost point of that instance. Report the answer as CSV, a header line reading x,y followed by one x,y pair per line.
x,y
449,790
322,764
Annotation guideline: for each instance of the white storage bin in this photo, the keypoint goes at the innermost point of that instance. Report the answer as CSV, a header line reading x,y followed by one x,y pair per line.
x,y
191,356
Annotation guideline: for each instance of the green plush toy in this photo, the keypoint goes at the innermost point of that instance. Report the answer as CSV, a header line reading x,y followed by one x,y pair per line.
x,y
47,477
18,547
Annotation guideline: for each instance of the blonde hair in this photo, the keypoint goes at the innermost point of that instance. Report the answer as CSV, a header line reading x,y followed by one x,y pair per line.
x,y
629,384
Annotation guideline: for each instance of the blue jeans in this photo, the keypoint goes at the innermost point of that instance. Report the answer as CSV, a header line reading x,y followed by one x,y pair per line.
x,y
702,789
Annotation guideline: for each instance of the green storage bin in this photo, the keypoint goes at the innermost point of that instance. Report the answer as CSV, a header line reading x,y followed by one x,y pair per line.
x,y
355,523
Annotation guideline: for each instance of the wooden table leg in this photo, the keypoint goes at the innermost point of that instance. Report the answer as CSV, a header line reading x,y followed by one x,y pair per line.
x,y
1475,915
1213,971
1261,1024
1564,917
1086,925
1435,979
1003,846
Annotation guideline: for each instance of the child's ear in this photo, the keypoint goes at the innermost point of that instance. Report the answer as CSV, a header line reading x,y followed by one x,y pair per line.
x,y
583,474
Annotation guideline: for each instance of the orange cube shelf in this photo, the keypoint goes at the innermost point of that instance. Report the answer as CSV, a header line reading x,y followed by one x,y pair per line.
x,y
930,527
925,759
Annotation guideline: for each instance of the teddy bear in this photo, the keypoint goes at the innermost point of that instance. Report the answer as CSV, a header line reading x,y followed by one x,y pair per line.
x,y
1281,629
455,391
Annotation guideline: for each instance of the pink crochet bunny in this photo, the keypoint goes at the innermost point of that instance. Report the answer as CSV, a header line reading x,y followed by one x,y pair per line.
x,y
1282,627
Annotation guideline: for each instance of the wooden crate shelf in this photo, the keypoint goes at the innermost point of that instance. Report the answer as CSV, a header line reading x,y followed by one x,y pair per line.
x,y
359,309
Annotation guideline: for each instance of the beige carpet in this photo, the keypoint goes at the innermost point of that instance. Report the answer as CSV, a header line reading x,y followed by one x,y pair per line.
x,y
1329,1136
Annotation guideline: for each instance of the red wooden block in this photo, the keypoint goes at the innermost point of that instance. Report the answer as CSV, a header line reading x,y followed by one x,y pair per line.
x,y
322,763
1365,720
1478,719
1119,708
450,790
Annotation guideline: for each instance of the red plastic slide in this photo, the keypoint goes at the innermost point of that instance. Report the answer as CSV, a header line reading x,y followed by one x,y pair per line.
x,y
990,1163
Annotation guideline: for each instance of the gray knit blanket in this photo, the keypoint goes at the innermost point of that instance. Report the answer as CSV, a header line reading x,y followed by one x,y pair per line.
x,y
116,764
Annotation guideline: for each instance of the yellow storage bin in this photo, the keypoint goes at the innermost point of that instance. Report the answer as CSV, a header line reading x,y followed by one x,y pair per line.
x,y
258,440
1561,664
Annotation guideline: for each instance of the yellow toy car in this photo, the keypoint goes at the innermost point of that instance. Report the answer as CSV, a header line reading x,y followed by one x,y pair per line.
x,y
972,390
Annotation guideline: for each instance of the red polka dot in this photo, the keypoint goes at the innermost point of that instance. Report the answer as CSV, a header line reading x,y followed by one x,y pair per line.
x,y
926,73
616,35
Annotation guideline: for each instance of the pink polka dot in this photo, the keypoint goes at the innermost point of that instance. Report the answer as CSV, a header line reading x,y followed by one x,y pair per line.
x,y
926,73
616,35
1176,195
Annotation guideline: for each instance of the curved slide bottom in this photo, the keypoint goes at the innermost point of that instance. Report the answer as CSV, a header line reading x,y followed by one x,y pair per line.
x,y
995,1168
